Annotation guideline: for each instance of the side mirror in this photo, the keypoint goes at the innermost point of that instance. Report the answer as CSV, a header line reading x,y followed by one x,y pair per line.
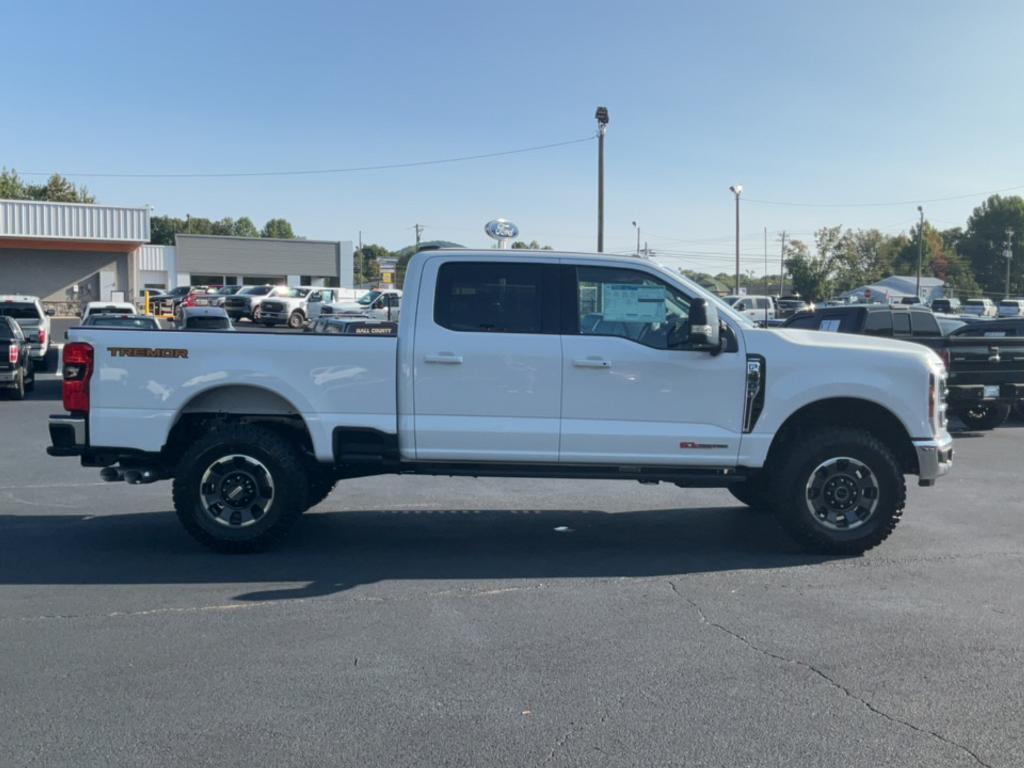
x,y
704,327
50,312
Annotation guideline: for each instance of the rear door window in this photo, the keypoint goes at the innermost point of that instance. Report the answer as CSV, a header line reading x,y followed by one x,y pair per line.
x,y
878,323
924,324
901,323
497,297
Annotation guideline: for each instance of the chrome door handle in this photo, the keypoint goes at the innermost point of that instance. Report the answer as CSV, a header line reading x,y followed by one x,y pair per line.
x,y
592,362
446,358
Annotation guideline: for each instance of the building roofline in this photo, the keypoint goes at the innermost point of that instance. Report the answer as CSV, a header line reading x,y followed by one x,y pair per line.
x,y
75,205
261,239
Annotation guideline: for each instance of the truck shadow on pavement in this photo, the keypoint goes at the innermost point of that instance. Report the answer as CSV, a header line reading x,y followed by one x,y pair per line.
x,y
330,552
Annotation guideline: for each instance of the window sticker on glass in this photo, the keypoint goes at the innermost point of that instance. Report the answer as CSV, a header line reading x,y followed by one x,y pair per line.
x,y
631,303
829,325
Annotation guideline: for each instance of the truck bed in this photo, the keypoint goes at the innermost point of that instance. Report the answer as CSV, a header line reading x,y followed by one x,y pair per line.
x,y
144,380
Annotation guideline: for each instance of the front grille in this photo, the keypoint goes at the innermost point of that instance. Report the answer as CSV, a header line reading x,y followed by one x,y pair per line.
x,y
273,306
232,301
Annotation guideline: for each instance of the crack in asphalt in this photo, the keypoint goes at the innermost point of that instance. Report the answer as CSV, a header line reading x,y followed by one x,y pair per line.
x,y
823,676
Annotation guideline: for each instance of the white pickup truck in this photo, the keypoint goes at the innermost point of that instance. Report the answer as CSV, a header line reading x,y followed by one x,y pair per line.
x,y
515,364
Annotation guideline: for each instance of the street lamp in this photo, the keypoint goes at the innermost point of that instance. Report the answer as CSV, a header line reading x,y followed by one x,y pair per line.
x,y
920,250
1008,253
601,115
637,238
737,189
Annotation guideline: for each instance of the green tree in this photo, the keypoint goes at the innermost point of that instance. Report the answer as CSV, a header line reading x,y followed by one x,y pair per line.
x,y
533,245
244,227
279,228
57,189
11,185
366,268
983,243
810,276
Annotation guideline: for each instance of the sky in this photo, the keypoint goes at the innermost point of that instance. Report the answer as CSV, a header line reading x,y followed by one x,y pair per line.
x,y
823,106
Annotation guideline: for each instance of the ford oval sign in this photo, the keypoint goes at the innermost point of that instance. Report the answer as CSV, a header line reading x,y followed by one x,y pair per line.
x,y
501,229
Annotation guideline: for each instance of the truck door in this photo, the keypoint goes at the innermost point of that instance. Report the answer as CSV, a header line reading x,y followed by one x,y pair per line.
x,y
487,361
633,393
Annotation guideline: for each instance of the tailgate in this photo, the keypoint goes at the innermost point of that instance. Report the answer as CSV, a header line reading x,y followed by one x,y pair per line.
x,y
985,360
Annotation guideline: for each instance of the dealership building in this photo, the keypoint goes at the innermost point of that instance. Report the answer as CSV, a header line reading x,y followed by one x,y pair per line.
x,y
75,252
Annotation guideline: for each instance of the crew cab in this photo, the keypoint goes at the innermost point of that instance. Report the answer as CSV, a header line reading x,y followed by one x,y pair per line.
x,y
515,364
986,372
760,309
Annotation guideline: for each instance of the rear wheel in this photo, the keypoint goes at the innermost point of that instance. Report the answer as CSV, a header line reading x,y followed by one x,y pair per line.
x,y
240,488
1018,410
30,382
984,415
840,492
17,390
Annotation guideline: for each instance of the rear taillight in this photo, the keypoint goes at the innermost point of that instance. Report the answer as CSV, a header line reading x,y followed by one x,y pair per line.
x,y
78,361
42,336
12,354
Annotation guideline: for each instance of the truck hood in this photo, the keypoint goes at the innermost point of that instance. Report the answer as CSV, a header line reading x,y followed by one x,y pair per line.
x,y
852,342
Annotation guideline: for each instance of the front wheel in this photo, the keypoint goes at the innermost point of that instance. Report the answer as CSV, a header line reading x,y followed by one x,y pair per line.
x,y
240,488
984,416
839,492
257,315
296,320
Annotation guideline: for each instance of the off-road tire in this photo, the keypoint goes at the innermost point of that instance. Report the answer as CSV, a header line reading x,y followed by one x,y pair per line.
x,y
794,472
984,416
284,464
17,392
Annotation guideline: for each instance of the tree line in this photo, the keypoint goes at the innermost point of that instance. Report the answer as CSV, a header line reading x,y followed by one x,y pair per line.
x,y
163,228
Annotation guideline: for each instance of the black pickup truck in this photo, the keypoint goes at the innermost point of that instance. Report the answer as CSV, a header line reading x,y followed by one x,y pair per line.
x,y
985,360
17,375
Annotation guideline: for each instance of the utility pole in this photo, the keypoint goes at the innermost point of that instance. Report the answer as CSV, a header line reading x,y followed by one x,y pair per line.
x,y
737,190
1008,253
782,266
920,250
601,115
637,238
419,230
766,276
360,239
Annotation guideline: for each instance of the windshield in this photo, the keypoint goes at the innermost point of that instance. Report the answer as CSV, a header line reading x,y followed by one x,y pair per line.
x,y
369,298
696,290
208,323
124,321
256,290
19,310
974,303
227,290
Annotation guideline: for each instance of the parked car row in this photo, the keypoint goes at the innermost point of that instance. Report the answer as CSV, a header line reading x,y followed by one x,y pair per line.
x,y
984,359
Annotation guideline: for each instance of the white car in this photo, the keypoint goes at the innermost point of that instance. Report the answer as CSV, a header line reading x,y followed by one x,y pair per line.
x,y
757,308
1011,308
979,307
108,308
379,304
516,364
295,307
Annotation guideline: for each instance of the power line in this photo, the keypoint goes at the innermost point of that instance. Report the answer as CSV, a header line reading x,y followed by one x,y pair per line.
x,y
879,205
318,171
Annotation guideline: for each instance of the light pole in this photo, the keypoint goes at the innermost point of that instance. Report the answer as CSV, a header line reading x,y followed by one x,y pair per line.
x,y
1008,253
637,238
601,115
737,190
920,250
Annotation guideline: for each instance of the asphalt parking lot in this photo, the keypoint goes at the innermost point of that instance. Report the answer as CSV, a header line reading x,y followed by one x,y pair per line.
x,y
458,622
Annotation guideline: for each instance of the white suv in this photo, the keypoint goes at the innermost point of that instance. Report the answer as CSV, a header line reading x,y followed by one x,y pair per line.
x,y
757,308
1011,308
979,307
